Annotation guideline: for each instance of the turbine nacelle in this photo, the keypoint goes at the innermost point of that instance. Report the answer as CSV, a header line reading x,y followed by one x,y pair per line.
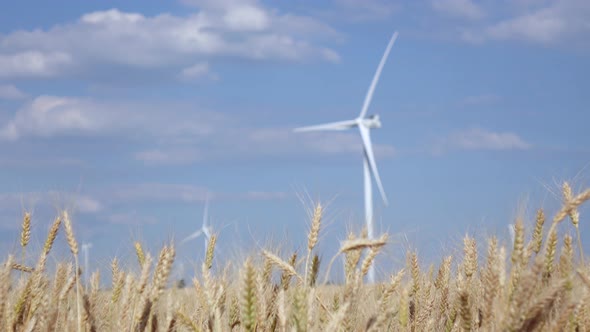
x,y
372,121
205,230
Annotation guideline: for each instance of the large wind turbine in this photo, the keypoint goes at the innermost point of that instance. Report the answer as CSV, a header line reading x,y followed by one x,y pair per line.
x,y
205,227
365,123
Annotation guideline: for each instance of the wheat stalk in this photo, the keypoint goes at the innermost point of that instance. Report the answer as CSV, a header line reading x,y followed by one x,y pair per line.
x,y
22,268
312,238
248,297
162,272
210,252
139,253
4,287
73,244
354,245
25,234
284,266
470,260
358,244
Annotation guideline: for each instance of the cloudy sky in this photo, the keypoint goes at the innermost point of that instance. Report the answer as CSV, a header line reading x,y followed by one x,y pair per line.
x,y
128,113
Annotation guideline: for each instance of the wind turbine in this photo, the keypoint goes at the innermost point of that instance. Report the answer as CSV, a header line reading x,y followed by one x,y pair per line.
x,y
365,123
205,227
85,249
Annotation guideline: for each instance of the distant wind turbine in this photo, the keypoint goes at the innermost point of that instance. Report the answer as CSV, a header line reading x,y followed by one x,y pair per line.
x,y
85,249
365,123
205,227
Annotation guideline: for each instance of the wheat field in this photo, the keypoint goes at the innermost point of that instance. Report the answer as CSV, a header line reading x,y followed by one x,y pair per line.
x,y
539,283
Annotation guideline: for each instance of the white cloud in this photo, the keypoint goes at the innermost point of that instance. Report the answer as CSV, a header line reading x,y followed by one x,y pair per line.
x,y
49,115
466,9
88,204
543,26
171,156
159,192
481,139
134,40
31,63
131,218
32,200
166,192
9,91
554,23
112,15
54,116
246,18
196,71
366,10
219,4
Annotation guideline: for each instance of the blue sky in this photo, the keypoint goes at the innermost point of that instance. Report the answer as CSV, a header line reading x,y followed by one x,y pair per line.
x,y
129,112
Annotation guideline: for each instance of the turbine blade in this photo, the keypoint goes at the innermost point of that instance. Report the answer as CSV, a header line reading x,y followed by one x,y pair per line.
x,y
192,236
340,125
366,136
369,95
206,212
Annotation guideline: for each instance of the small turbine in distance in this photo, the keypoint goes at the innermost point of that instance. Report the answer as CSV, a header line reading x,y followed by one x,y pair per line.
x,y
365,123
205,227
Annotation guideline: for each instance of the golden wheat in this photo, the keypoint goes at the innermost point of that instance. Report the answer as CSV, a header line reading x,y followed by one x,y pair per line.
x,y
544,289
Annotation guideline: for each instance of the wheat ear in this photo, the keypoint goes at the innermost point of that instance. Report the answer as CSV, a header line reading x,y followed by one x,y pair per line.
x,y
73,244
25,234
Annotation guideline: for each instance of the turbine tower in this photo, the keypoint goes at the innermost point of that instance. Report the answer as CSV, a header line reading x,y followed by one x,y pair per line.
x,y
85,249
365,123
205,227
